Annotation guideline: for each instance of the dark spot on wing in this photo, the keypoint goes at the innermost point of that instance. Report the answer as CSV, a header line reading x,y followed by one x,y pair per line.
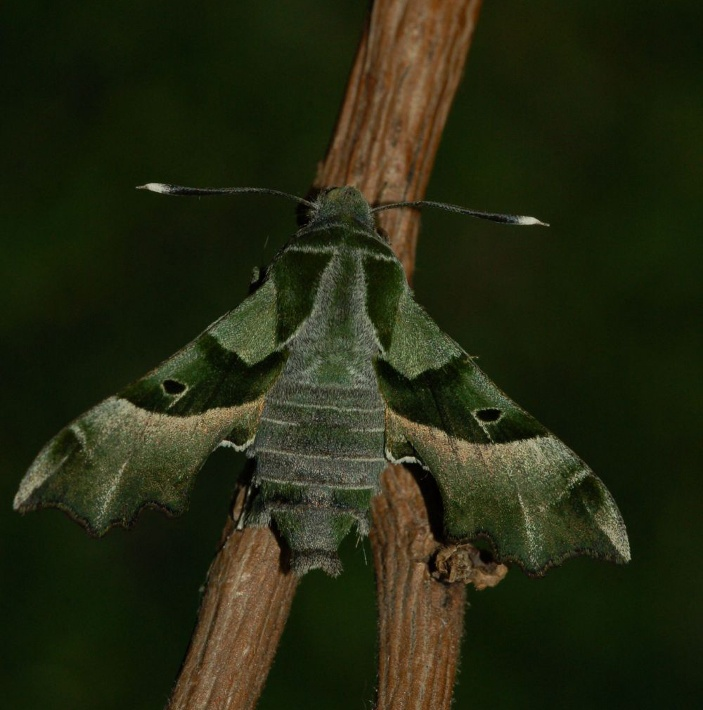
x,y
173,387
488,415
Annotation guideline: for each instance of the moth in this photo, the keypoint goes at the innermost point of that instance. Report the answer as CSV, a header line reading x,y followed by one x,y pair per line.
x,y
324,374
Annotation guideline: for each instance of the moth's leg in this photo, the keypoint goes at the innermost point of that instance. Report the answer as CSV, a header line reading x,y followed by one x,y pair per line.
x,y
241,520
241,506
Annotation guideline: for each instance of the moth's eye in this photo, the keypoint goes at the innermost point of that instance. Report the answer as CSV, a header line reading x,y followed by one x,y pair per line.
x,y
488,415
173,387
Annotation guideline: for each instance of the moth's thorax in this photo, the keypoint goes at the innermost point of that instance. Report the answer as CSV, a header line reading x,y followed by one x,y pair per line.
x,y
340,235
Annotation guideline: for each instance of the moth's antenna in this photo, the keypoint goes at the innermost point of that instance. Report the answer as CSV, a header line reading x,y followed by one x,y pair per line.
x,y
491,216
164,189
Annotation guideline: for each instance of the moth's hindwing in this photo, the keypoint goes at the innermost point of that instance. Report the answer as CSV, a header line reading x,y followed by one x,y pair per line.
x,y
144,446
501,474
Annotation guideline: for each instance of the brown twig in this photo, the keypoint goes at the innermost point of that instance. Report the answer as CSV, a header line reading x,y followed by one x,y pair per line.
x,y
244,610
401,88
407,69
406,72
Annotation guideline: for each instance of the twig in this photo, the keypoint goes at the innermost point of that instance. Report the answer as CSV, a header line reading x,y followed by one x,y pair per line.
x,y
420,619
406,72
244,610
401,88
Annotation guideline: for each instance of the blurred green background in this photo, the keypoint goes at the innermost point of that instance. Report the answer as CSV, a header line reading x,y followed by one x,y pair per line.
x,y
588,115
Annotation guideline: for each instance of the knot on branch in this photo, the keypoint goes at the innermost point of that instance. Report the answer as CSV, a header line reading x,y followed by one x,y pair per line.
x,y
466,563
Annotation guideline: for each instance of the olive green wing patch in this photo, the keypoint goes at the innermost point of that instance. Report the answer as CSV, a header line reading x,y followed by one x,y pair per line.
x,y
500,473
144,446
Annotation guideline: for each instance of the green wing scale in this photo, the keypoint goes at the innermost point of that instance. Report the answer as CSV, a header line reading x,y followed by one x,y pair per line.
x,y
500,473
144,446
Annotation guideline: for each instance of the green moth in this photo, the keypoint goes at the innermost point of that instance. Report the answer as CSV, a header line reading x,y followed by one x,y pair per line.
x,y
325,373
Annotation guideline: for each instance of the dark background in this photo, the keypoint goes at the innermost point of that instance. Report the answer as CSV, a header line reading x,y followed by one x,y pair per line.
x,y
588,115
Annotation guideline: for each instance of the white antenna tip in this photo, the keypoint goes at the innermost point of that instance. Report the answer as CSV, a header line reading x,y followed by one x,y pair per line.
x,y
160,187
531,220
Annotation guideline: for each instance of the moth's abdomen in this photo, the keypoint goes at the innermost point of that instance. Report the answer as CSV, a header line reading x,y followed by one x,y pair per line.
x,y
319,452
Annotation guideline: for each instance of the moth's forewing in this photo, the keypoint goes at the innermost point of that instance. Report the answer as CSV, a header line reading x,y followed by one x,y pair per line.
x,y
501,474
144,446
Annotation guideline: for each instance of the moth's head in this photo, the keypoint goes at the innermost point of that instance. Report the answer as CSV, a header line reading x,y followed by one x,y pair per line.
x,y
345,205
